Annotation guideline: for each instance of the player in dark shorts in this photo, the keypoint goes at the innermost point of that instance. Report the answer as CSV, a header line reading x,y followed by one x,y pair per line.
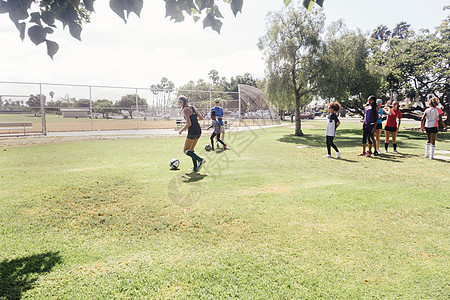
x,y
194,131
392,126
430,123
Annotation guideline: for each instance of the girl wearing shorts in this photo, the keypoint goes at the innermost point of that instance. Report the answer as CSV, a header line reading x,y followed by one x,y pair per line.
x,y
430,122
391,125
194,131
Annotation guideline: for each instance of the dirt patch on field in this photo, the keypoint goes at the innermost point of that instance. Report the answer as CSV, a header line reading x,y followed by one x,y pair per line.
x,y
277,189
43,140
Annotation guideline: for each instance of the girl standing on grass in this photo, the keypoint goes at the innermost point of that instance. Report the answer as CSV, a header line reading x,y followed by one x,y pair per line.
x,y
216,133
430,122
332,124
194,131
391,125
379,127
368,129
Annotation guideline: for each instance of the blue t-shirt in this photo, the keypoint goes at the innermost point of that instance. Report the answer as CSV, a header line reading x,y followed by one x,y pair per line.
x,y
380,116
219,114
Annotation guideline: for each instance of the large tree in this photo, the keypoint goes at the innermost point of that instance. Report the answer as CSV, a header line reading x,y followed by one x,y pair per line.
x,y
291,47
416,66
346,76
128,102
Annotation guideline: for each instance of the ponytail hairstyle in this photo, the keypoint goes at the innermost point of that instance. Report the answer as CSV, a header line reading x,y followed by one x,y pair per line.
x,y
335,106
183,99
434,101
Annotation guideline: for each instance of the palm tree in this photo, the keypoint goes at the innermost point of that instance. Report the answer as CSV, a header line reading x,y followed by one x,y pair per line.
x,y
381,33
401,30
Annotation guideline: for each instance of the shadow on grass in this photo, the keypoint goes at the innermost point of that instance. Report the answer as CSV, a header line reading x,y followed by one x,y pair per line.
x,y
353,138
350,139
18,275
193,177
397,157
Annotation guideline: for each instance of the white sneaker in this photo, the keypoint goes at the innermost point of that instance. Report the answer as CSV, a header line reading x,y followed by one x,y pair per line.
x,y
385,151
328,156
200,164
395,151
338,155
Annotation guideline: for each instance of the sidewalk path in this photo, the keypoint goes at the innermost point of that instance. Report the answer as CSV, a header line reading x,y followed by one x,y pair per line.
x,y
145,132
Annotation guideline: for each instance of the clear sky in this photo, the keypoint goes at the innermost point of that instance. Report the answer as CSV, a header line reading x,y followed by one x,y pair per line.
x,y
146,49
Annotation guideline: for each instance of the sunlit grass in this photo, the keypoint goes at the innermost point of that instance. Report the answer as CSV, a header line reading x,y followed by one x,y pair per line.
x,y
265,219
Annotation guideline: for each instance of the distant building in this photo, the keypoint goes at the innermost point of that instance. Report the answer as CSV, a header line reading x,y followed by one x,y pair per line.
x,y
75,112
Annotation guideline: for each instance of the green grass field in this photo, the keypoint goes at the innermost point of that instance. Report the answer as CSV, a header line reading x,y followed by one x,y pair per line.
x,y
265,220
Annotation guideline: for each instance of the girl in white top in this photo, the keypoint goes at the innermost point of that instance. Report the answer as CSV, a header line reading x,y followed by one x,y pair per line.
x,y
430,122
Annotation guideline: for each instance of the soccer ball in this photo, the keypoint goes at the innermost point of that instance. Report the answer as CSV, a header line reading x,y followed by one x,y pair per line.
x,y
174,163
208,147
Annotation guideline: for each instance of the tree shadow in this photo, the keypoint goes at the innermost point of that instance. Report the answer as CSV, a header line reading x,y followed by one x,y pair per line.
x,y
18,275
353,138
193,177
349,138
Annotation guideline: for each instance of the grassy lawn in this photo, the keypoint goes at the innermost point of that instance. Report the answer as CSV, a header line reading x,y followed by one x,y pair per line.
x,y
266,219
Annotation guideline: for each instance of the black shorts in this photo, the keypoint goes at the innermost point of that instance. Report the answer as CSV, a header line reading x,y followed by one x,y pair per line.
x,y
391,129
193,136
431,129
379,126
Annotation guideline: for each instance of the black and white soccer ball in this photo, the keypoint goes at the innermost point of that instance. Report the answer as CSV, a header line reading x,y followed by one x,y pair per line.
x,y
174,163
208,147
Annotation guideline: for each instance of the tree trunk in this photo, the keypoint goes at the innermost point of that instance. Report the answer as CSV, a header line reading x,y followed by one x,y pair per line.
x,y
281,112
298,121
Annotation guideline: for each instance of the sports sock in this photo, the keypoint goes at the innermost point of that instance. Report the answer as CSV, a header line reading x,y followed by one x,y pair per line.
x,y
395,146
427,149
433,148
386,146
194,157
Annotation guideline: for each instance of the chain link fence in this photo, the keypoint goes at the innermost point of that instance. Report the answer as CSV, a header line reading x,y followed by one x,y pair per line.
x,y
37,108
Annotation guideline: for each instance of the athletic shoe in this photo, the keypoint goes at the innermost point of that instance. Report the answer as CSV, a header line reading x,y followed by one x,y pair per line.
x,y
395,151
385,151
200,164
362,154
375,153
426,156
368,154
328,156
338,155
225,147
